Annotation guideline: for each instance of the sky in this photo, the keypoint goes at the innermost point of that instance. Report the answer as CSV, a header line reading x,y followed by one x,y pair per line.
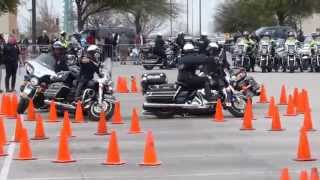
x,y
208,7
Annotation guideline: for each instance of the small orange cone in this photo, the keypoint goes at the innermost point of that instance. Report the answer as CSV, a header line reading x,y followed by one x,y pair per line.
x,y
79,118
4,107
102,128
304,153
218,116
8,105
134,87
18,129
135,123
314,174
291,109
39,130
283,96
296,96
303,175
285,174
119,84
53,117
247,119
122,85
301,103
31,112
3,133
271,107
66,125
25,152
150,154
63,155
117,118
307,122
113,155
263,95
12,112
306,101
276,122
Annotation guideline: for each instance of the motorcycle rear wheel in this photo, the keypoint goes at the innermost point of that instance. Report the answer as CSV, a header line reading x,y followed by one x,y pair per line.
x,y
94,111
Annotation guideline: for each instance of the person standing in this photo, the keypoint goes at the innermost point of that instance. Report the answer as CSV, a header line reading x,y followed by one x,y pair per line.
x,y
11,55
2,45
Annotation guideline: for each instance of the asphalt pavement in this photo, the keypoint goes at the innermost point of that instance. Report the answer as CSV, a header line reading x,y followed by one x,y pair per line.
x,y
189,148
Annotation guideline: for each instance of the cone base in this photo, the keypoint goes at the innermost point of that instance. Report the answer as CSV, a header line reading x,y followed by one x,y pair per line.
x,y
117,122
311,130
276,129
290,115
55,121
65,161
39,138
135,132
157,163
102,134
309,159
25,159
114,163
247,129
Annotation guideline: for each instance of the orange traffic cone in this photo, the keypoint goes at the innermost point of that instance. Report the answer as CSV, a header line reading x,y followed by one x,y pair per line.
x,y
150,154
296,96
4,107
117,118
307,122
25,152
303,175
18,129
218,116
301,103
276,122
122,85
134,87
113,155
285,174
102,128
283,96
2,151
3,133
306,101
31,116
263,95
291,109
12,111
304,153
247,119
135,123
63,155
119,84
271,107
79,118
314,174
53,117
66,125
39,130
9,106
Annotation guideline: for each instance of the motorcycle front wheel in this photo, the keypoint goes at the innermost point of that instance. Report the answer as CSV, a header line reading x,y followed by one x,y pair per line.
x,y
238,106
95,110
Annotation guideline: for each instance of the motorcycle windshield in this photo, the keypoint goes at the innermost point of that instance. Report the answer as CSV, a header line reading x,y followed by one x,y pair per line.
x,y
43,65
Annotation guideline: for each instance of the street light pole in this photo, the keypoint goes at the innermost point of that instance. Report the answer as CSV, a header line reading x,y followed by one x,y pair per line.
x,y
187,16
34,23
171,13
200,18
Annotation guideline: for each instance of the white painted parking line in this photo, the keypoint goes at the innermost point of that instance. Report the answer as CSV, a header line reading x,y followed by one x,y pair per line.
x,y
7,162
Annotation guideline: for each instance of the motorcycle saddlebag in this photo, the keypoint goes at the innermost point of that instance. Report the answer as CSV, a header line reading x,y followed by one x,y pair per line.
x,y
56,91
153,78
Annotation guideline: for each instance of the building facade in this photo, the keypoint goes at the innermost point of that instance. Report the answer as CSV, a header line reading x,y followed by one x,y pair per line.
x,y
9,24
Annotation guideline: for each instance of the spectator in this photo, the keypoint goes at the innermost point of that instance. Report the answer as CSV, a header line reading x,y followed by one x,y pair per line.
x,y
2,45
11,54
115,41
91,39
123,48
43,39
24,44
108,45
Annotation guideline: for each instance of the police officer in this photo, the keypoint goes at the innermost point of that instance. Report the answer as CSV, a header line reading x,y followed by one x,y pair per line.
x,y
203,43
58,53
159,48
251,43
188,66
180,41
89,65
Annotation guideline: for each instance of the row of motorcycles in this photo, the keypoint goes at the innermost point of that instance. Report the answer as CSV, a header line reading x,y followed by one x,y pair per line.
x,y
285,56
43,85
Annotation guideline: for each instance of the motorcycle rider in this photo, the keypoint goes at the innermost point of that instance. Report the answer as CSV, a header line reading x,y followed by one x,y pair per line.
x,y
251,44
188,66
203,43
58,52
267,39
180,41
159,48
292,40
89,65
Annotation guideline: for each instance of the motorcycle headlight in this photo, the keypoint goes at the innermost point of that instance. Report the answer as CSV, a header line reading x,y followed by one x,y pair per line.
x,y
29,69
34,81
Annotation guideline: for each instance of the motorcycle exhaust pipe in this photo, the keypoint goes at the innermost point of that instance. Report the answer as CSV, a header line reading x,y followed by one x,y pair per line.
x,y
63,105
184,106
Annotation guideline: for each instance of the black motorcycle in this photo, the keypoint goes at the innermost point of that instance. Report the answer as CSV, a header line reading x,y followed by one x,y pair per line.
x,y
166,100
43,85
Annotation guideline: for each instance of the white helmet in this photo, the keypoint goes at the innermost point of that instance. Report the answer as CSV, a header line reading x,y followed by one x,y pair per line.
x,y
188,48
92,48
204,34
159,34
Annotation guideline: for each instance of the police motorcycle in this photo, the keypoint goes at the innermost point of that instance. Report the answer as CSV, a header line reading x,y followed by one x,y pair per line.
x,y
265,56
165,100
42,85
240,54
306,54
316,58
151,60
